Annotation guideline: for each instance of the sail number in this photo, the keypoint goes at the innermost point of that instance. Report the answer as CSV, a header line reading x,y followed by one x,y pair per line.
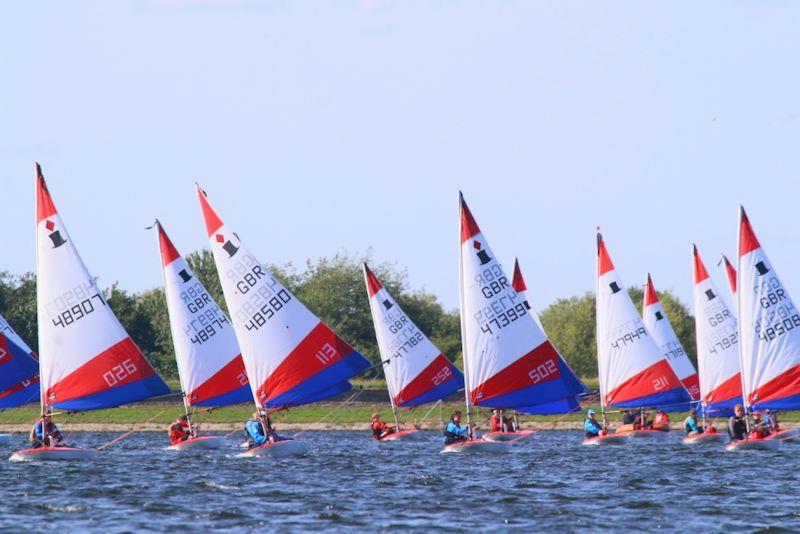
x,y
660,383
504,319
119,372
442,376
77,312
267,311
630,337
542,371
208,331
326,354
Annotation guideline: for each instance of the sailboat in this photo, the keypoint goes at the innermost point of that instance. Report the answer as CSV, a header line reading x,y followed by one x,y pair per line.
x,y
558,406
291,357
19,371
210,365
769,337
633,372
87,360
717,353
657,323
508,361
416,371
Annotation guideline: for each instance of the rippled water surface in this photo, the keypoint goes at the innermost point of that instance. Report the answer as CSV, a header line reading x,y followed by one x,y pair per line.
x,y
349,482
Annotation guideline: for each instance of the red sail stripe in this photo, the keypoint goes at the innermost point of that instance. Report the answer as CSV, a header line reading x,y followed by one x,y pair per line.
x,y
435,372
786,384
231,376
523,373
644,383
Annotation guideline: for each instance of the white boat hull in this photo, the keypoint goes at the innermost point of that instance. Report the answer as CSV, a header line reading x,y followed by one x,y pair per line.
x,y
278,449
754,445
54,454
608,439
5,439
513,437
477,446
701,439
403,435
198,443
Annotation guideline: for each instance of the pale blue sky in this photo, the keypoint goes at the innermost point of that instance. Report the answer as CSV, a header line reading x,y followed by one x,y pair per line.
x,y
328,125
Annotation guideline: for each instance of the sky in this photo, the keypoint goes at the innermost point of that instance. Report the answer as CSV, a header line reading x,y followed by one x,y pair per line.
x,y
323,126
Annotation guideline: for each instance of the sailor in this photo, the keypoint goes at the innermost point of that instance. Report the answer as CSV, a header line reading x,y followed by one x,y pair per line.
x,y
499,423
45,433
179,430
737,425
640,422
690,425
661,420
591,426
771,421
379,428
454,431
628,418
254,429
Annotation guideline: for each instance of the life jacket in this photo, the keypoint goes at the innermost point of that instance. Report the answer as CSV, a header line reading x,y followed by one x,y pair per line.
x,y
496,424
248,438
452,436
377,429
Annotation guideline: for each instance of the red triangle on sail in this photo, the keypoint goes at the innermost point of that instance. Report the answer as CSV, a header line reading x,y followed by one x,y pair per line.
x,y
213,222
730,270
700,272
44,202
747,238
650,295
373,285
168,251
603,259
518,283
468,225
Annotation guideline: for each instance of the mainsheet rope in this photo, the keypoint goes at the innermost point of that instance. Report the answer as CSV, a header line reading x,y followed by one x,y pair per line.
x,y
131,431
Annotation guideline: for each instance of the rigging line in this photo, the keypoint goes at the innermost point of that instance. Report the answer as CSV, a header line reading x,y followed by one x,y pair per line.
x,y
419,422
337,408
131,431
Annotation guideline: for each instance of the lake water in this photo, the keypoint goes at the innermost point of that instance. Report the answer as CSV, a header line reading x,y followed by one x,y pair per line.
x,y
350,482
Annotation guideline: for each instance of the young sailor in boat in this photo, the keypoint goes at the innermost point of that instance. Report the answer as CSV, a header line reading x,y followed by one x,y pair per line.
x,y
771,421
179,430
628,418
45,433
379,428
661,421
499,423
737,425
454,431
640,421
255,430
591,426
690,424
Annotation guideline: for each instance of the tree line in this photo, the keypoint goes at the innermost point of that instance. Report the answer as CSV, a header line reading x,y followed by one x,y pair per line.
x,y
333,288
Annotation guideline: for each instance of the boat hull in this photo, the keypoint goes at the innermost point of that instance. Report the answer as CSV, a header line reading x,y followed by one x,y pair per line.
x,y
403,435
637,434
278,449
477,446
5,439
513,437
792,435
198,443
608,439
54,454
750,444
706,437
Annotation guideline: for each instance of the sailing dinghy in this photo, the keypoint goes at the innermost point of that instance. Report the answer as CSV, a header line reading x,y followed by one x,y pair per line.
x,y
559,406
87,361
210,366
769,338
416,371
508,361
291,357
633,372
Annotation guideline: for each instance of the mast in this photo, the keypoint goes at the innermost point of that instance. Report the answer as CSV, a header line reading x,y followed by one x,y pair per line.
x,y
461,315
597,327
38,172
742,373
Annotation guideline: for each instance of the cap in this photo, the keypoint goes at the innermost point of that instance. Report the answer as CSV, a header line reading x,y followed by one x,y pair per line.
x,y
591,411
